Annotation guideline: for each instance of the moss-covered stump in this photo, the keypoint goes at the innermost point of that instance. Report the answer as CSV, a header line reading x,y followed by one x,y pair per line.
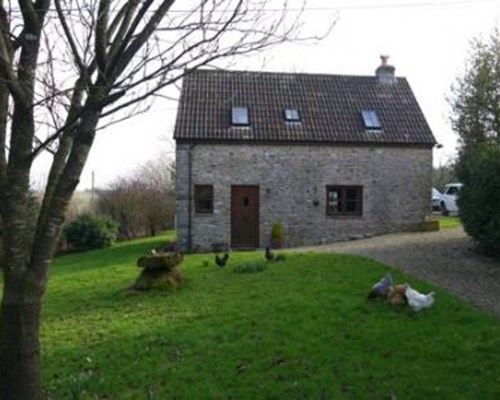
x,y
162,261
158,279
159,271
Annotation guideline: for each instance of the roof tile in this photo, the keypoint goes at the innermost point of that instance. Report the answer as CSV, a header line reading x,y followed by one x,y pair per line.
x,y
329,105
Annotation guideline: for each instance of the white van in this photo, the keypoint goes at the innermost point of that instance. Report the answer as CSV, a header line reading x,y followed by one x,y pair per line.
x,y
449,198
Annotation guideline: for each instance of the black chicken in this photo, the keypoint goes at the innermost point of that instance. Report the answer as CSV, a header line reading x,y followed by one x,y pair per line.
x,y
269,254
221,261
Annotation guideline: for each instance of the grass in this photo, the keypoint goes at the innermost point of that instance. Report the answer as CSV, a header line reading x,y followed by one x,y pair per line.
x,y
448,222
301,328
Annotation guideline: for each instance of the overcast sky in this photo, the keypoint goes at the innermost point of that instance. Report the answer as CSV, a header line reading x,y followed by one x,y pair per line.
x,y
427,42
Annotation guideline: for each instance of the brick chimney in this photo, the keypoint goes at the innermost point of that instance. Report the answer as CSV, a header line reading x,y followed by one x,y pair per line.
x,y
385,72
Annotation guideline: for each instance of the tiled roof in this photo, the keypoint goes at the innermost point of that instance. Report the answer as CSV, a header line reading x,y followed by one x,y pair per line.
x,y
329,105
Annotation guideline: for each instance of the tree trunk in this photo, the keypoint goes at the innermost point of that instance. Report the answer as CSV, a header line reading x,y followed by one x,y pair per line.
x,y
19,341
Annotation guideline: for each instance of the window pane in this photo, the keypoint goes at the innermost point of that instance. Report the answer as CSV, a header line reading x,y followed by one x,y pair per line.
x,y
203,199
370,119
333,206
292,114
351,194
332,201
333,194
240,116
351,207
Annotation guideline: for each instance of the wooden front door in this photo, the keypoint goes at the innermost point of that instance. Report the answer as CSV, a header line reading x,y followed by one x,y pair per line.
x,y
245,216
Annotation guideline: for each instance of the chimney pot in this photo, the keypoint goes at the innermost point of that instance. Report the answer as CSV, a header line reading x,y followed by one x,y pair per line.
x,y
385,72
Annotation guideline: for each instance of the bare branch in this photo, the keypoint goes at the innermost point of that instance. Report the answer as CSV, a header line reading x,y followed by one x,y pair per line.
x,y
129,33
70,38
4,110
29,13
101,35
123,19
7,74
140,40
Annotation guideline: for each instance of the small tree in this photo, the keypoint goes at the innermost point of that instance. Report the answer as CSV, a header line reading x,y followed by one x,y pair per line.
x,y
476,119
475,100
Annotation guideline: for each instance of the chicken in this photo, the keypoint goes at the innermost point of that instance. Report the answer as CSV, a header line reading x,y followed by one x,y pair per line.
x,y
221,261
418,301
396,295
381,288
269,254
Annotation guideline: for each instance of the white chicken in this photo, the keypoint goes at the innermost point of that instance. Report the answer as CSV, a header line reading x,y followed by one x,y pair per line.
x,y
418,301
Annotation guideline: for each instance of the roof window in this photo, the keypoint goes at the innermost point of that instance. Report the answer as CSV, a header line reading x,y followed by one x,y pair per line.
x,y
239,116
371,120
292,115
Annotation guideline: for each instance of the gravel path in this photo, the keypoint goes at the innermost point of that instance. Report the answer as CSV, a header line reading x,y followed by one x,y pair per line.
x,y
445,258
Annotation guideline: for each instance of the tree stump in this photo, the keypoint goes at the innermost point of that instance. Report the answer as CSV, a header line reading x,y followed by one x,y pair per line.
x,y
158,271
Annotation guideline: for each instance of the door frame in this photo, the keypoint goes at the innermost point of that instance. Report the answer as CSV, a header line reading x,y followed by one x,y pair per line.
x,y
256,233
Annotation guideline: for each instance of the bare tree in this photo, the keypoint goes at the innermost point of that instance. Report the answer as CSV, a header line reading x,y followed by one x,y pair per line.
x,y
143,203
159,194
68,68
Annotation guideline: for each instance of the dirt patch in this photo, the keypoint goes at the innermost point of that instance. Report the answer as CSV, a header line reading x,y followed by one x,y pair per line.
x,y
446,258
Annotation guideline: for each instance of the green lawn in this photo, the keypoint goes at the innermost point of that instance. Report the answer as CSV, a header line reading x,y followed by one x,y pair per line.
x,y
448,222
302,328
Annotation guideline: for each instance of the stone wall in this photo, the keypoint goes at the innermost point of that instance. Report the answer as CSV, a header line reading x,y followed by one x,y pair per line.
x,y
292,179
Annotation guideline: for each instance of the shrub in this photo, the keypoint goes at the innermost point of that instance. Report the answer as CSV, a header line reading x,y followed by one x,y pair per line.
x,y
277,231
277,235
479,171
91,232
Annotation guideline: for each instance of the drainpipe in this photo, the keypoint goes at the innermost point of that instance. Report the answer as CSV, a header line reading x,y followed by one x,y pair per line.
x,y
190,197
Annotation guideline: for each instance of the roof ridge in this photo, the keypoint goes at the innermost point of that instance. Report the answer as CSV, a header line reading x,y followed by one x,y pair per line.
x,y
251,72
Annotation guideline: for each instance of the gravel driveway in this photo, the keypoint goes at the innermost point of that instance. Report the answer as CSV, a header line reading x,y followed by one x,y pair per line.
x,y
445,258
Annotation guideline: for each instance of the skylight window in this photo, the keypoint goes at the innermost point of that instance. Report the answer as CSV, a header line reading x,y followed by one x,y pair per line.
x,y
371,120
239,116
292,115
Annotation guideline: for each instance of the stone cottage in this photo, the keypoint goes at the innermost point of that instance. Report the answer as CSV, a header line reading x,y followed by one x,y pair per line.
x,y
331,157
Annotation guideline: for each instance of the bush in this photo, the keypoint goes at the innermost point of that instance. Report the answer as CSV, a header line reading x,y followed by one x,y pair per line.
x,y
479,171
91,232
